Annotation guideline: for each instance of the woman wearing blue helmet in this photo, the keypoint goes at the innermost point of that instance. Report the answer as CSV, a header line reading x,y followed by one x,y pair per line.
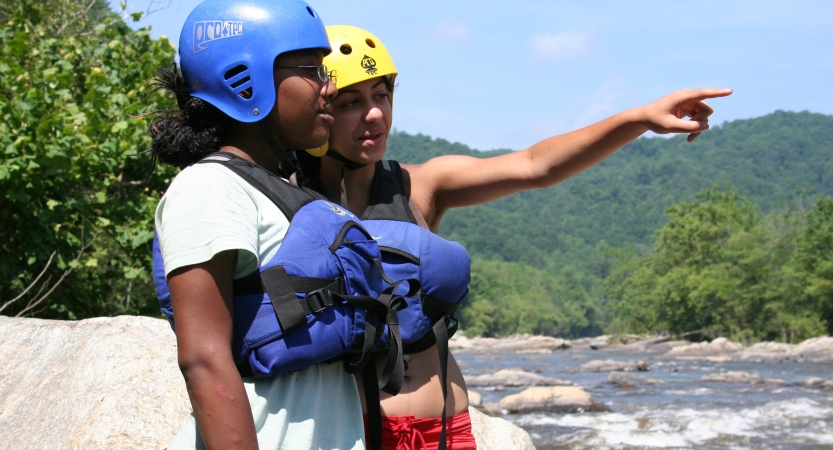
x,y
252,83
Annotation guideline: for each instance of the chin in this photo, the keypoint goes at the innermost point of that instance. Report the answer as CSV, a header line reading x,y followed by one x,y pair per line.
x,y
375,154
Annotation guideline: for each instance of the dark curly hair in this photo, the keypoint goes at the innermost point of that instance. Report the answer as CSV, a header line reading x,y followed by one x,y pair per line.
x,y
184,135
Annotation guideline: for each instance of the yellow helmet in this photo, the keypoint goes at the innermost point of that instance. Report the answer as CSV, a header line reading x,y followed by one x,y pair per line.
x,y
357,56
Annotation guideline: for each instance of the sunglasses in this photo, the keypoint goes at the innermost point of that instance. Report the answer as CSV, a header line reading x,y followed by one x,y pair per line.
x,y
321,71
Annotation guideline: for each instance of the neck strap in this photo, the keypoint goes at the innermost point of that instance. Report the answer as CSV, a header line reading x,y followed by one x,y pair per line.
x,y
286,166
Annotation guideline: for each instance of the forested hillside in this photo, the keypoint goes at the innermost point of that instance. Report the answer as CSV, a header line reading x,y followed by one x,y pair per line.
x,y
565,234
622,200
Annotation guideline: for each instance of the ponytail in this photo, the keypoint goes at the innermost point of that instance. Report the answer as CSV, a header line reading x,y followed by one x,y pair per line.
x,y
185,135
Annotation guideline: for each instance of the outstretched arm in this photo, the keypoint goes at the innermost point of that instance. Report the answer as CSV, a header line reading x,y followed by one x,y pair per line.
x,y
453,181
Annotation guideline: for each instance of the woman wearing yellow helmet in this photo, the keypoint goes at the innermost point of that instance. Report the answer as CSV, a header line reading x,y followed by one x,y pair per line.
x,y
350,171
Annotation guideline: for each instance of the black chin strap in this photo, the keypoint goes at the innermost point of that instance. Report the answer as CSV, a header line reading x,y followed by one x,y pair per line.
x,y
349,165
286,166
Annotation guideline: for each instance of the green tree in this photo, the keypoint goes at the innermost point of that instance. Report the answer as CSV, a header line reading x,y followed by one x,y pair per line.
x,y
719,268
814,259
77,215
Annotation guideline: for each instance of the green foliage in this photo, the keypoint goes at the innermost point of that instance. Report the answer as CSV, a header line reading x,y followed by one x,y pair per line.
x,y
76,207
814,260
719,268
508,298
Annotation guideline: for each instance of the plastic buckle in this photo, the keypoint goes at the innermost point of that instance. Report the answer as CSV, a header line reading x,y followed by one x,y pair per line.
x,y
319,299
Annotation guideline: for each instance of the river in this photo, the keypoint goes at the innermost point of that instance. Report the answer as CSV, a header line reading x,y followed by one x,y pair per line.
x,y
684,412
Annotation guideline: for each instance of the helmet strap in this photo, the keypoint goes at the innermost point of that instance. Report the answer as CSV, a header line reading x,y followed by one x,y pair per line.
x,y
286,166
348,165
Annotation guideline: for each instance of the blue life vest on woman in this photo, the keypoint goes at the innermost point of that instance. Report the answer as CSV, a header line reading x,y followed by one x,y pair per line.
x,y
442,267
410,250
323,296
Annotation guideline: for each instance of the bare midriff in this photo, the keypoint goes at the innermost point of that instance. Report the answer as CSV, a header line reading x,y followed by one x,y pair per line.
x,y
421,395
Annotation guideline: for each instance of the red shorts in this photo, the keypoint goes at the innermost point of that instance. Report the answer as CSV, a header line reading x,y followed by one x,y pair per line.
x,y
408,433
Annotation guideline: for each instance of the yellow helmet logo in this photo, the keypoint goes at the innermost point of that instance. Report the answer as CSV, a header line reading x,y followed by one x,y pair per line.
x,y
369,65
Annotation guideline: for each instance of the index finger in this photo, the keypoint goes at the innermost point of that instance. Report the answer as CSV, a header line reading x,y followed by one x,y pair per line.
x,y
701,94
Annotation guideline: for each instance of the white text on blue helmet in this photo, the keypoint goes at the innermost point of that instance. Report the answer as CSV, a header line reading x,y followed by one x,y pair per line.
x,y
212,30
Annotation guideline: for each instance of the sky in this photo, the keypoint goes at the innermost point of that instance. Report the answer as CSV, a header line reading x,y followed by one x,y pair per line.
x,y
509,73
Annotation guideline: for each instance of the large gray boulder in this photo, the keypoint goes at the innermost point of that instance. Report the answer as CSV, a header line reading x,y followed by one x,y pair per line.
x,y
767,352
510,377
521,343
101,383
113,383
718,350
553,399
817,350
493,433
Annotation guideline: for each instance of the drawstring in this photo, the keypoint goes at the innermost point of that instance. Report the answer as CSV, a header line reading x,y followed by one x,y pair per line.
x,y
407,436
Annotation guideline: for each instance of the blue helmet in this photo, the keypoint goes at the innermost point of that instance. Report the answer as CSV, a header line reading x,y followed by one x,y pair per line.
x,y
227,51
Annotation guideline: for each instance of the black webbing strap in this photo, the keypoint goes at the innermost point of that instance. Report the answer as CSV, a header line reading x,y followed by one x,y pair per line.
x,y
287,308
441,335
393,373
342,233
371,336
374,408
399,253
318,290
435,308
288,198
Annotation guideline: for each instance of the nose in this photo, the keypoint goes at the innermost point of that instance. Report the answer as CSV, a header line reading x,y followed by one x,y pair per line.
x,y
329,90
374,115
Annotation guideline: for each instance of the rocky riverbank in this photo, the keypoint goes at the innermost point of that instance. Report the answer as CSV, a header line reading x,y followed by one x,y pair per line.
x,y
113,383
815,350
548,394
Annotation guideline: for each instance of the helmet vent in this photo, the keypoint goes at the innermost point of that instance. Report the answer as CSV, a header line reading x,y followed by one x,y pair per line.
x,y
310,11
238,77
346,49
370,43
234,71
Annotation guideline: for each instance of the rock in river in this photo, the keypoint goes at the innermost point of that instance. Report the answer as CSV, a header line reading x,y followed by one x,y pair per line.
x,y
609,365
733,377
522,343
704,350
509,377
554,399
627,380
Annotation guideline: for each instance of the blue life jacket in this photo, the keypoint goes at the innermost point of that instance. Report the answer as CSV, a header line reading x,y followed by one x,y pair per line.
x,y
442,267
323,296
